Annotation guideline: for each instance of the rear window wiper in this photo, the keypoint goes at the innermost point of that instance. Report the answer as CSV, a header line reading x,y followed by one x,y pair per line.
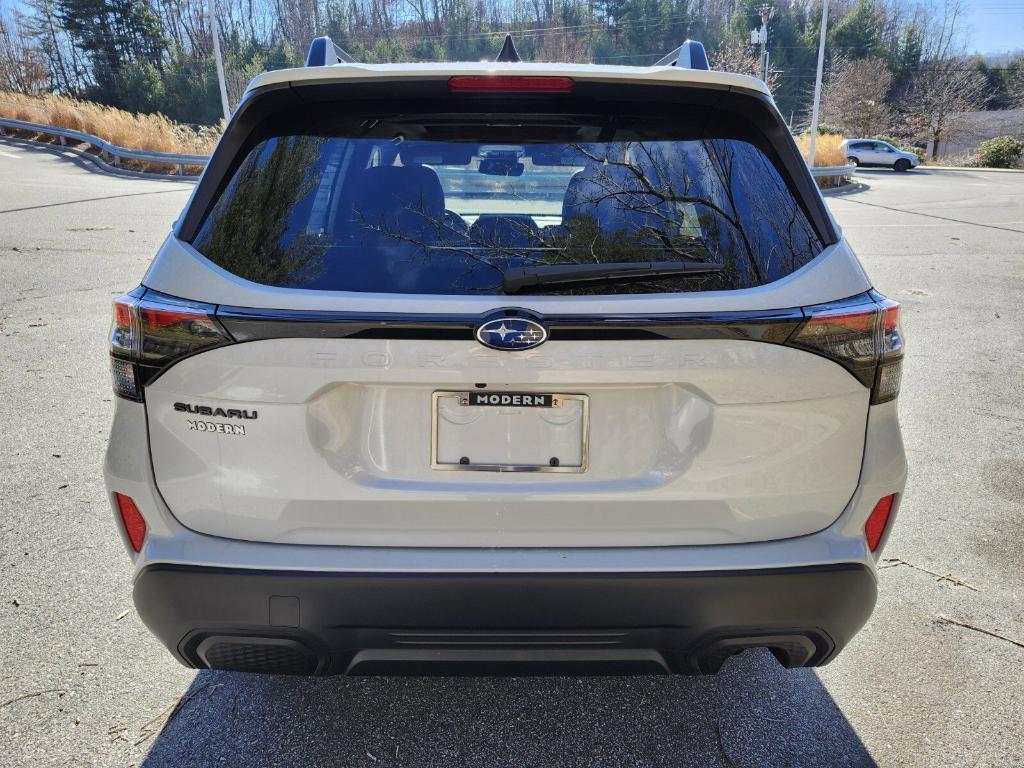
x,y
554,276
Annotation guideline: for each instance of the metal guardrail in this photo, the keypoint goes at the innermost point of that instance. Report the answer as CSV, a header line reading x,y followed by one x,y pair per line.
x,y
114,152
168,158
832,170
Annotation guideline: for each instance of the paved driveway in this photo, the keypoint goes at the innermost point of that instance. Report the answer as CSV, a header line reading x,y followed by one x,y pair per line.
x,y
84,683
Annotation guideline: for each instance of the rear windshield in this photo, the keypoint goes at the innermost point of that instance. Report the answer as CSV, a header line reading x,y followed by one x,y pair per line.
x,y
455,206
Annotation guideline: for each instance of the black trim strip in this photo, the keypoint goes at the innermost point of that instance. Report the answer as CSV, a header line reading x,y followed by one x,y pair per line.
x,y
462,576
774,326
777,326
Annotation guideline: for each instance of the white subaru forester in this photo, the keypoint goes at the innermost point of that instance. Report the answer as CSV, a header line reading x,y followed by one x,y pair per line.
x,y
504,367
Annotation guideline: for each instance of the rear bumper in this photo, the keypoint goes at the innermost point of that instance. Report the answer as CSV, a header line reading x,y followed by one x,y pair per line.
x,y
500,623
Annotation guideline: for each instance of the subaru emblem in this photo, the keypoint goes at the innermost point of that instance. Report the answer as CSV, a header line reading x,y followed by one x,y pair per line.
x,y
511,333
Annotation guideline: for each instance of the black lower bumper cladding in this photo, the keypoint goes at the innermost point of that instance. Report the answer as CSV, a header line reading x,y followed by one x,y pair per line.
x,y
497,623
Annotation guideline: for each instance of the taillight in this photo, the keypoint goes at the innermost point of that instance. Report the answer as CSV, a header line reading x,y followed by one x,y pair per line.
x,y
863,335
131,519
509,84
890,363
150,331
878,521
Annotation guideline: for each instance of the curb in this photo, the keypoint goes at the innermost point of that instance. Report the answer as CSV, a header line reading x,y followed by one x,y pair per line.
x,y
57,149
959,168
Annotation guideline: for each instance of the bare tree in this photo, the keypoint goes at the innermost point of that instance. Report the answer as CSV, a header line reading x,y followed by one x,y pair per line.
x,y
22,69
941,91
943,37
742,59
946,84
297,22
1015,87
64,62
854,97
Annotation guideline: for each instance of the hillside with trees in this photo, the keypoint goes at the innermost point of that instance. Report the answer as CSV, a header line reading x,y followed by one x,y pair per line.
x,y
894,67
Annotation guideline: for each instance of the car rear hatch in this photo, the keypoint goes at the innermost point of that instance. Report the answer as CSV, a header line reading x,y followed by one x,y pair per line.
x,y
443,316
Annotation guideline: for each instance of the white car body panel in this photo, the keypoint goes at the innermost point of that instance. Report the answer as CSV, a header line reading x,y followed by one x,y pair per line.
x,y
130,471
692,442
180,270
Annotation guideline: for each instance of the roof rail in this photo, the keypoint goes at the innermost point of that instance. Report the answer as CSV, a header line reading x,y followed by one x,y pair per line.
x,y
508,51
690,54
323,53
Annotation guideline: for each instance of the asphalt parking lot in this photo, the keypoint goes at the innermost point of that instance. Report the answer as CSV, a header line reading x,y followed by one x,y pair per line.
x,y
936,678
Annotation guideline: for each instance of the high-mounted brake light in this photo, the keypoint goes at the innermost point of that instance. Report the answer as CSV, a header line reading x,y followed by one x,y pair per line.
x,y
150,331
878,521
863,335
131,519
509,84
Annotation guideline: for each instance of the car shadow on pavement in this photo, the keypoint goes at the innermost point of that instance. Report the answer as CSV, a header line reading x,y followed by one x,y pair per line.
x,y
860,182
854,187
754,713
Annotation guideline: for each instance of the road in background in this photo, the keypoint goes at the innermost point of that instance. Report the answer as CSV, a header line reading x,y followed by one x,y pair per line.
x,y
911,690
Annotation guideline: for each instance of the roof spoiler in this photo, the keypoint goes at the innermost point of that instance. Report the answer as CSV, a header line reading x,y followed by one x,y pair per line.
x,y
323,53
690,54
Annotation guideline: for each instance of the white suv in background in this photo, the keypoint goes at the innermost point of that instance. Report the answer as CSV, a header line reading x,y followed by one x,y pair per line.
x,y
879,154
504,367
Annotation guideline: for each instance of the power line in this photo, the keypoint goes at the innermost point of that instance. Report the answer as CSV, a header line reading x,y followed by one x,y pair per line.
x,y
539,31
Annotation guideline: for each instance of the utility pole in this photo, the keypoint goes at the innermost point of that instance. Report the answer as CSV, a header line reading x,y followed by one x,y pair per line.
x,y
215,33
759,37
766,12
817,84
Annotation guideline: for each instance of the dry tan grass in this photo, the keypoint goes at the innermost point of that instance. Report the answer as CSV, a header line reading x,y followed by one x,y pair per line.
x,y
826,152
155,133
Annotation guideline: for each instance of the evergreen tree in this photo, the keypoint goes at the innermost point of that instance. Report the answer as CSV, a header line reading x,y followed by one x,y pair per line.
x,y
908,56
858,35
113,35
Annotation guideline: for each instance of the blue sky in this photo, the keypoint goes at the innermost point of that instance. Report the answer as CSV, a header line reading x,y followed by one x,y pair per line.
x,y
996,26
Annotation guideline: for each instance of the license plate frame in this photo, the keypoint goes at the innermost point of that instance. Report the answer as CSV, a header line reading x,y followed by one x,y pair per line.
x,y
554,400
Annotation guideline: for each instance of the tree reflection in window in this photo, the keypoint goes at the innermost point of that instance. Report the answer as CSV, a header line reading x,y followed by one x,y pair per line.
x,y
715,201
248,232
329,214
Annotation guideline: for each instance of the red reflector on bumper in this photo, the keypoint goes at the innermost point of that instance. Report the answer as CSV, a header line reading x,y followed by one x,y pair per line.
x,y
877,522
131,519
509,84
